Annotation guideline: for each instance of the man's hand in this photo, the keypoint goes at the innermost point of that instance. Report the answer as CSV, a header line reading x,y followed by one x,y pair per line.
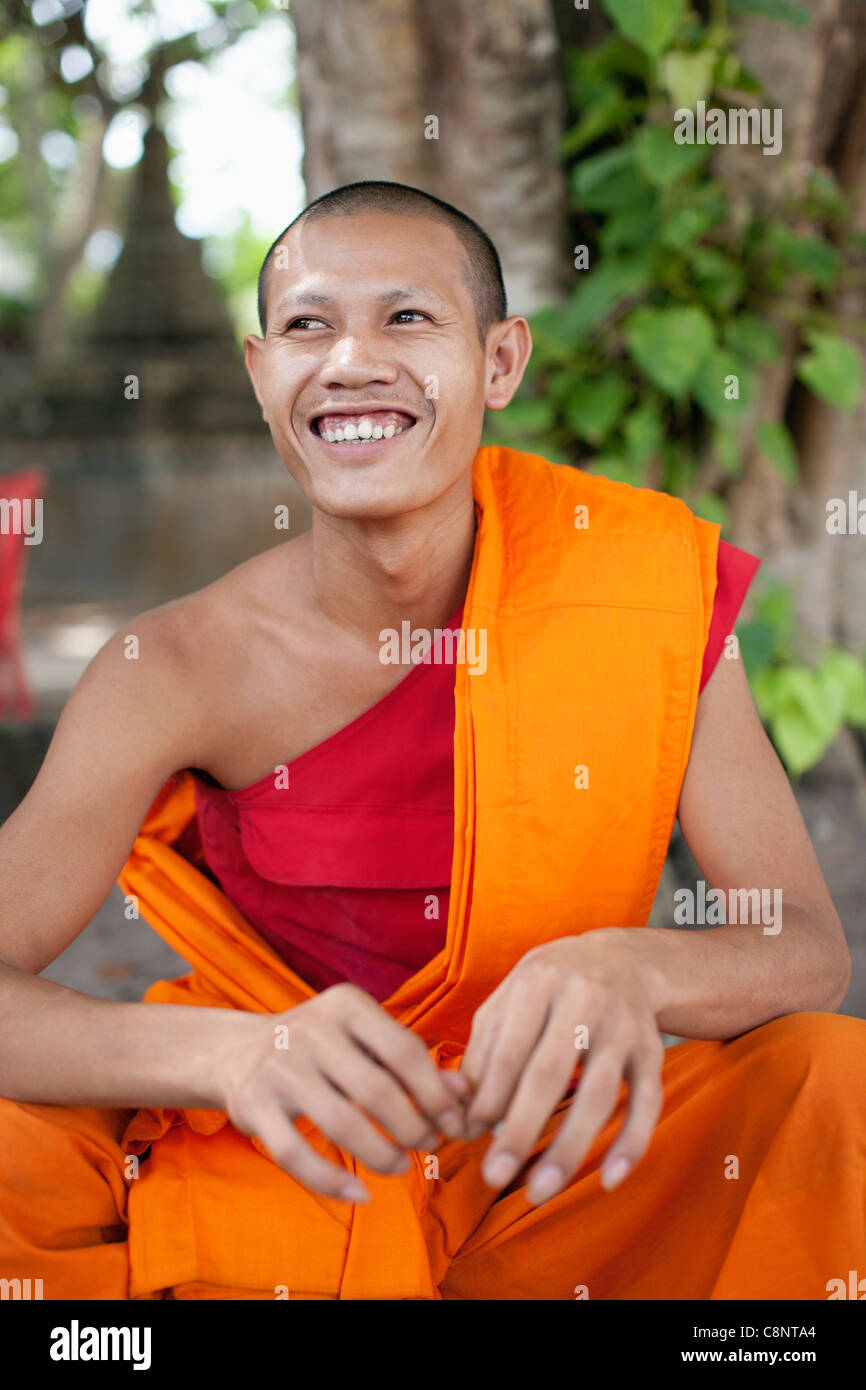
x,y
522,1054
347,1063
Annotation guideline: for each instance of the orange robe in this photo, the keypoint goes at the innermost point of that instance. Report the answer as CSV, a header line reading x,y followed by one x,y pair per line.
x,y
568,771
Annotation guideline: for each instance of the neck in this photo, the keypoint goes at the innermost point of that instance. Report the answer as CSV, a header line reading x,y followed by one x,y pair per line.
x,y
366,575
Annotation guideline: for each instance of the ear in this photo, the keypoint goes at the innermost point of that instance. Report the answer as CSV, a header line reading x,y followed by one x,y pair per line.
x,y
509,347
253,349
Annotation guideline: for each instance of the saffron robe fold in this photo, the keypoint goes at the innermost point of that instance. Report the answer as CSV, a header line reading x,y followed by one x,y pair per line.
x,y
568,770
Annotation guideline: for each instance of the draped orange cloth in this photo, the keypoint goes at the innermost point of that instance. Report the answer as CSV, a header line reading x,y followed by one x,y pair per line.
x,y
568,771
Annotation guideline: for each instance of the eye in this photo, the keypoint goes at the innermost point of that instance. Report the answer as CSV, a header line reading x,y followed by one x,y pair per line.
x,y
295,322
417,312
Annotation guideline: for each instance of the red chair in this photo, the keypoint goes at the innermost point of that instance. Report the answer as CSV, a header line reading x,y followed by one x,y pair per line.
x,y
25,485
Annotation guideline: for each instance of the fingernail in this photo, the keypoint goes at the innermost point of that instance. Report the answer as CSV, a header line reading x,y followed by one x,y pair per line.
x,y
451,1124
464,1086
355,1191
612,1173
498,1169
545,1182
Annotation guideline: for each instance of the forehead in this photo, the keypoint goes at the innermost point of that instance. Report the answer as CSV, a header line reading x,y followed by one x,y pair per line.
x,y
368,253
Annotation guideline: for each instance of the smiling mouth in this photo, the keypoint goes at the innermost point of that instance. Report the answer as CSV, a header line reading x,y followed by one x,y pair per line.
x,y
361,428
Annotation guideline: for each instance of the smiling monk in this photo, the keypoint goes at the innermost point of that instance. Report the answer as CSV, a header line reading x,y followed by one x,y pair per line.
x,y
413,894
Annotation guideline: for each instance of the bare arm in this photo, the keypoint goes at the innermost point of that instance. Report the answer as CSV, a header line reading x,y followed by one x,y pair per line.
x,y
621,985
742,823
127,726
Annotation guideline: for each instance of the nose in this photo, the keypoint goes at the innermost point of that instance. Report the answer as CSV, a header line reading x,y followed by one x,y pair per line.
x,y
353,362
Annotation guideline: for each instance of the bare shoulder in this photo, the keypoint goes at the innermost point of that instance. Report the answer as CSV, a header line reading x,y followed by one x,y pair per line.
x,y
158,679
221,623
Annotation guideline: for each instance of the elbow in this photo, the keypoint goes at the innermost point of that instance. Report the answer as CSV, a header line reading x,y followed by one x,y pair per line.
x,y
837,979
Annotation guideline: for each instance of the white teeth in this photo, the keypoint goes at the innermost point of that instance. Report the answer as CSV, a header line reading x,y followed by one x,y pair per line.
x,y
360,433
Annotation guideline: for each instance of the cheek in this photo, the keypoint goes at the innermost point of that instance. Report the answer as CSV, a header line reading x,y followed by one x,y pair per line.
x,y
453,392
280,383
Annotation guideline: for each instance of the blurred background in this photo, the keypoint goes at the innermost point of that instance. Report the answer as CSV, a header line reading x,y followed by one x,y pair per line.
x,y
698,311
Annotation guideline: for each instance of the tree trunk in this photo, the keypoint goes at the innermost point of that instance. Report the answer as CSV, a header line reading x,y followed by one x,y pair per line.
x,y
817,76
461,99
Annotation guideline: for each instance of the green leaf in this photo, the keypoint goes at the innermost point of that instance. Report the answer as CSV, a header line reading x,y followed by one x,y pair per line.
x,y
608,182
670,345
775,605
849,674
687,222
732,73
678,467
651,24
727,450
812,255
752,338
642,432
776,442
523,417
824,197
608,111
788,11
714,386
661,160
833,369
757,643
626,231
602,288
720,278
688,77
766,692
808,716
595,406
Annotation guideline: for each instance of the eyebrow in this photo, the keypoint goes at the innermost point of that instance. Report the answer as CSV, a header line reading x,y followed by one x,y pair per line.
x,y
391,296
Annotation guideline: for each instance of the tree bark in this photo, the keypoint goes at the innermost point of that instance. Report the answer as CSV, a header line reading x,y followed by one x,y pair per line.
x,y
817,76
461,99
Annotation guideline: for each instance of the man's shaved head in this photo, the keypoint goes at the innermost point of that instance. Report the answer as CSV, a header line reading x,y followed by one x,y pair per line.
x,y
482,269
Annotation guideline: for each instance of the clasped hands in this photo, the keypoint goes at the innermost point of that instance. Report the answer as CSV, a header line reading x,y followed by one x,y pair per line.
x,y
370,1086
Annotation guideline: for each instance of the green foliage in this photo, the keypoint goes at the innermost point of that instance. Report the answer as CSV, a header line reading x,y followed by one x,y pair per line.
x,y
648,370
804,706
650,26
787,11
832,369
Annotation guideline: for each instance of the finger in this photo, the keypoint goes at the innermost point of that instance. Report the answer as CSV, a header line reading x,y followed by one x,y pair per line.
x,y
375,1090
460,1085
524,1017
645,1103
403,1053
594,1102
485,1025
343,1123
542,1085
296,1156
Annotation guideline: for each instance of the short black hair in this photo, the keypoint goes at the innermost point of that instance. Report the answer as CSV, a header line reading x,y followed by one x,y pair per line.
x,y
483,273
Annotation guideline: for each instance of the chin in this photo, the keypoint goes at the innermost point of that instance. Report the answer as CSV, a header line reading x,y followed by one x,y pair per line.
x,y
375,500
